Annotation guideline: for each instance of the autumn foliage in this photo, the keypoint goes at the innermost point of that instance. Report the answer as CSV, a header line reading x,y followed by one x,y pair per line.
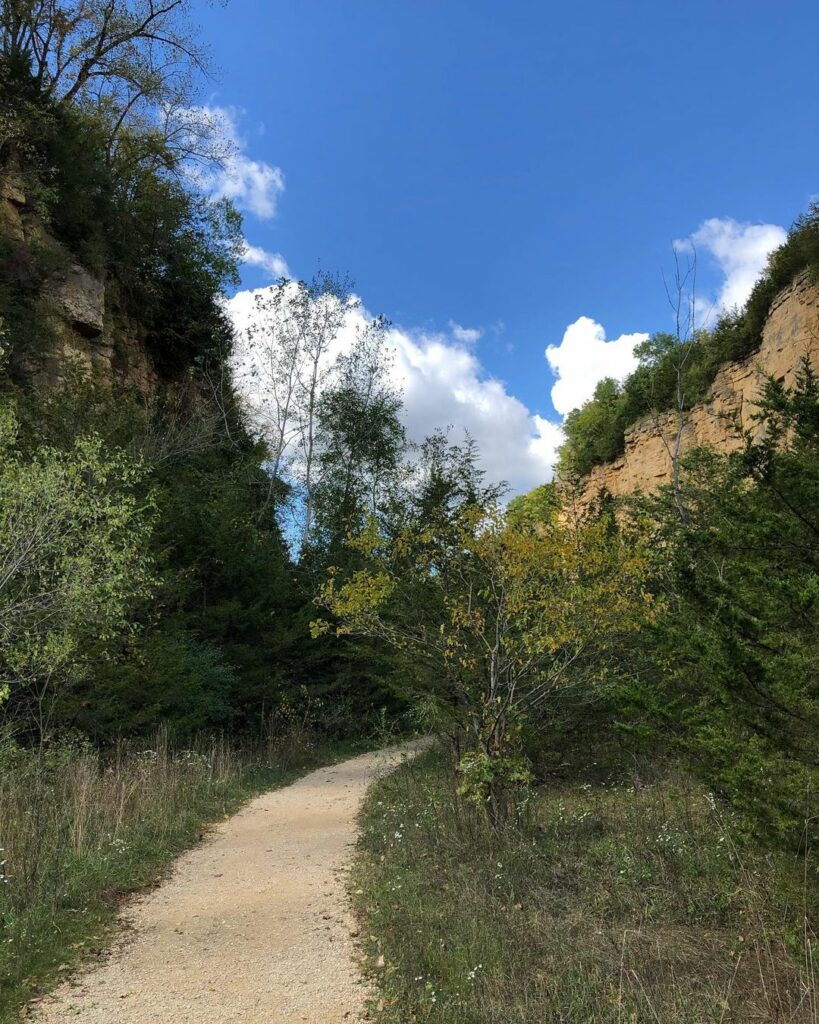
x,y
505,619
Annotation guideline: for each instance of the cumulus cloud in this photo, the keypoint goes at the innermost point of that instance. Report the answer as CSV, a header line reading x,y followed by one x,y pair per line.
x,y
272,263
740,250
468,335
584,357
444,385
254,185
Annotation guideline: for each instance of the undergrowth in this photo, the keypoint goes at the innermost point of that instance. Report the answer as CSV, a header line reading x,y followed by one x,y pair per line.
x,y
622,896
80,829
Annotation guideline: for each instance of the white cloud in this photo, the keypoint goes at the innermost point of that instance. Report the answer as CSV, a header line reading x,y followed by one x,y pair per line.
x,y
272,263
740,250
254,185
445,385
468,335
584,357
545,443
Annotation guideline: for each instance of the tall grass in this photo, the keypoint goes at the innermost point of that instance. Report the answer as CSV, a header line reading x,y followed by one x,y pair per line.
x,y
617,899
80,828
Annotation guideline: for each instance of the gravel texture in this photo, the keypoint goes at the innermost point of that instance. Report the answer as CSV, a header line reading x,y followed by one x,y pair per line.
x,y
252,927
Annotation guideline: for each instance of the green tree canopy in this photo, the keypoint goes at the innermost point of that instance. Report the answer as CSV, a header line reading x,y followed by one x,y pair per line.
x,y
74,542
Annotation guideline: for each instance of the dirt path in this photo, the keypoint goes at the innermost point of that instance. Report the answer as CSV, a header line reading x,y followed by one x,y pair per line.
x,y
253,927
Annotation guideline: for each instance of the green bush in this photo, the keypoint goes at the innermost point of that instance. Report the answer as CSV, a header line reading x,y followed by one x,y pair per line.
x,y
74,529
169,676
734,684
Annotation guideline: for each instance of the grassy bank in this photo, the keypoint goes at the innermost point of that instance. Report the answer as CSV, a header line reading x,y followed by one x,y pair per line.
x,y
624,896
79,830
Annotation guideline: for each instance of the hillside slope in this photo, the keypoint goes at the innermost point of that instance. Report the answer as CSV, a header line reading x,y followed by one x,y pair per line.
x,y
791,332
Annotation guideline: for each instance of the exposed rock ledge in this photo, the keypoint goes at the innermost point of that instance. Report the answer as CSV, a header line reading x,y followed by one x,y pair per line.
x,y
80,298
84,332
791,332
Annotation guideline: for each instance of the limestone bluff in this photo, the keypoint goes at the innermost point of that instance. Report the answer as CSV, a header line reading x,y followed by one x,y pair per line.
x,y
790,334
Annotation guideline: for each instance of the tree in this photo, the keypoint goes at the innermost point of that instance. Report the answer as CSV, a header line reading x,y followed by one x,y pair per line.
x,y
674,352
361,440
284,365
73,561
132,63
593,433
737,649
535,510
503,618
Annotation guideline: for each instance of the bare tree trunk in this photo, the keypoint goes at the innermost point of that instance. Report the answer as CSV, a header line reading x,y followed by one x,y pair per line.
x,y
309,434
683,305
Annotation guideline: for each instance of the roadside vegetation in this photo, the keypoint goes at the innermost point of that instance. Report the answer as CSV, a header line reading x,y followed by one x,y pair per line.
x,y
156,579
621,824
625,892
81,829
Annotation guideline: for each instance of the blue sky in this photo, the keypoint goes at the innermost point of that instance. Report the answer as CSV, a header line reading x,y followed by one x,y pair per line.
x,y
513,168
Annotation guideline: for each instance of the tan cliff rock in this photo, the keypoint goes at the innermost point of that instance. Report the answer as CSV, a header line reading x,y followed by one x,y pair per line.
x,y
80,330
791,332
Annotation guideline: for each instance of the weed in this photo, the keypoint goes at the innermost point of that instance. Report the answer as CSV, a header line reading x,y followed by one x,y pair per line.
x,y
616,900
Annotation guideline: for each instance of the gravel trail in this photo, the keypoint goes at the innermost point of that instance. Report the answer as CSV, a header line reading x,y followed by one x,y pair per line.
x,y
252,927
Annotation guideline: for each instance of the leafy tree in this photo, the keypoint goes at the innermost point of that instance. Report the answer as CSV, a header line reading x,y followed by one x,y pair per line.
x,y
504,619
736,651
361,441
73,537
535,510
167,675
592,432
227,605
445,480
284,363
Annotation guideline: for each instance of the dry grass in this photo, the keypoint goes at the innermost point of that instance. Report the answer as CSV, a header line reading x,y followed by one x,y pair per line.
x,y
78,829
617,900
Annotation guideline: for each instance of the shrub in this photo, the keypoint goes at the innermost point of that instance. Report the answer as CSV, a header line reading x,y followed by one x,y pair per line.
x,y
734,685
74,535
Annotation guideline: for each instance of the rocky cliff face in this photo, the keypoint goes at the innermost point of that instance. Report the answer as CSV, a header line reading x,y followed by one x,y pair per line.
x,y
80,328
791,332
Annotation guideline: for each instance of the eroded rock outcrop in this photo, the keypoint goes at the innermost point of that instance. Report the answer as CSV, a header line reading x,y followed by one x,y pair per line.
x,y
80,299
78,328
791,332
